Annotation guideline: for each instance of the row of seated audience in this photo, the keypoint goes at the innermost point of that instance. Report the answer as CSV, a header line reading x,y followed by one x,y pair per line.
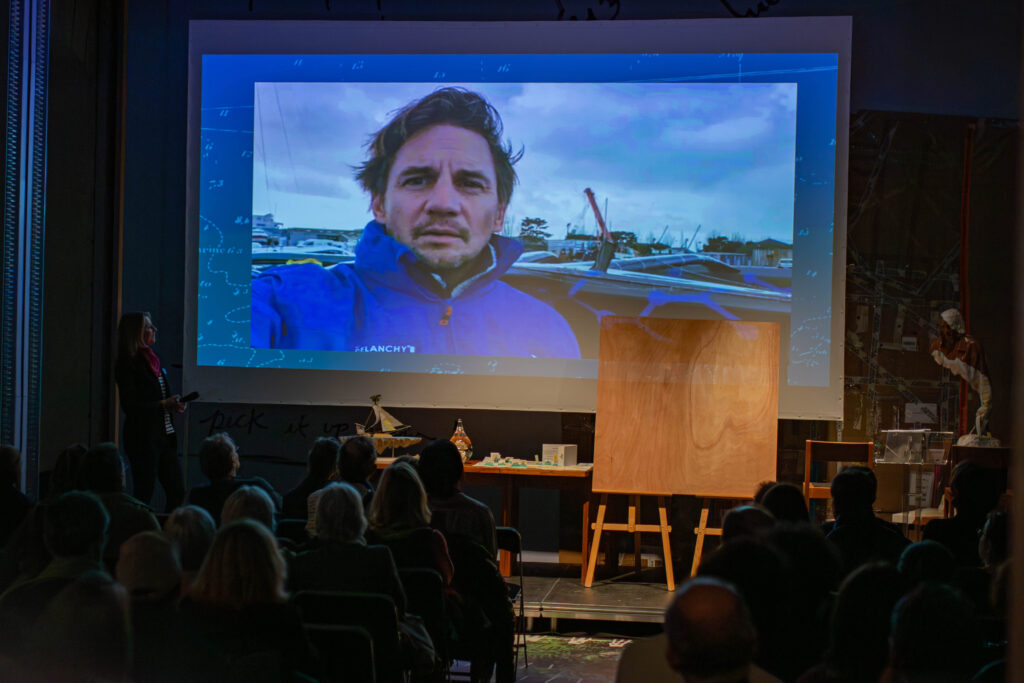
x,y
781,599
91,585
849,601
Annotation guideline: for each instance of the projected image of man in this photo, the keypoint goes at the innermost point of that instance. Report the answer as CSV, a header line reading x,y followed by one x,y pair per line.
x,y
428,268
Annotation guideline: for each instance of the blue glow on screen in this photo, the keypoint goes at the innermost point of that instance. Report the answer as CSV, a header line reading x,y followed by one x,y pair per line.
x,y
680,147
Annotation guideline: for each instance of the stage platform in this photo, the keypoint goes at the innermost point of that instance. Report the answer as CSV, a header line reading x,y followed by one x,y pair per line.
x,y
626,598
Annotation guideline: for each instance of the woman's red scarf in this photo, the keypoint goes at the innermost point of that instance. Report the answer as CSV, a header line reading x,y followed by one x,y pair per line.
x,y
152,360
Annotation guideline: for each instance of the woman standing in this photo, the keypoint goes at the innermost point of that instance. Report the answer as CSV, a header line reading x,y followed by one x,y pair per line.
x,y
149,439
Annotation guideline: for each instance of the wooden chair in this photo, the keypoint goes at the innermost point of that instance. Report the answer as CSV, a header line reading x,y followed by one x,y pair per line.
x,y
833,451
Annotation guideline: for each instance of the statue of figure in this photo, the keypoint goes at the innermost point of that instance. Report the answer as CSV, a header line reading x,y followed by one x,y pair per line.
x,y
963,356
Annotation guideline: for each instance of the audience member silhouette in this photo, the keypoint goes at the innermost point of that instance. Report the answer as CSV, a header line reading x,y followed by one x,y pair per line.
x,y
237,605
400,519
745,520
341,559
760,573
926,561
149,566
218,459
75,532
711,636
163,648
25,554
814,572
357,465
762,489
192,529
934,637
453,513
321,467
64,476
978,583
975,491
14,505
994,544
102,472
786,503
858,647
357,462
857,533
482,613
249,502
83,634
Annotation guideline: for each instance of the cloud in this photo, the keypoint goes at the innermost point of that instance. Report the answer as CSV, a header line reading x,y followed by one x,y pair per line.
x,y
677,154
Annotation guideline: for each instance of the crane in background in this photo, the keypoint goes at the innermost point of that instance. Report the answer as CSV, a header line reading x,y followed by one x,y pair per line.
x,y
606,251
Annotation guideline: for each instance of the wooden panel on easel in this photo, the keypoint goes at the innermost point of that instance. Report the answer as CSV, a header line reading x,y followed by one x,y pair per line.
x,y
686,406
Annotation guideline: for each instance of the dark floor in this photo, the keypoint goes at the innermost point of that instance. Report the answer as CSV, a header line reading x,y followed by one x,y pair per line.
x,y
555,593
577,633
567,658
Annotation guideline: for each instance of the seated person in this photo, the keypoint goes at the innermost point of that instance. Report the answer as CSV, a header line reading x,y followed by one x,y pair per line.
x,y
786,503
745,520
761,574
25,554
249,502
238,606
453,512
341,560
400,519
926,561
75,532
975,493
64,475
218,459
321,466
934,637
164,650
83,634
858,648
102,472
859,536
357,462
192,529
14,505
710,634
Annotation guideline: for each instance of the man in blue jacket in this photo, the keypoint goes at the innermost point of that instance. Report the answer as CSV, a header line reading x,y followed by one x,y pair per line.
x,y
426,278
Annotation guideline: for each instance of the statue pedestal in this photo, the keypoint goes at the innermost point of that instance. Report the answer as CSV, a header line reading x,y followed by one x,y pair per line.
x,y
973,439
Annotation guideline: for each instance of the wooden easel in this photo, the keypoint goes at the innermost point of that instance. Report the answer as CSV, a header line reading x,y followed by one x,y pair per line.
x,y
634,528
684,407
701,530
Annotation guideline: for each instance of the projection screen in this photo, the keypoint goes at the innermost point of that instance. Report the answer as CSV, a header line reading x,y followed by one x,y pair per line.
x,y
443,212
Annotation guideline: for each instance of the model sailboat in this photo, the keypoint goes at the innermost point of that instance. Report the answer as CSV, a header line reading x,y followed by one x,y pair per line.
x,y
383,423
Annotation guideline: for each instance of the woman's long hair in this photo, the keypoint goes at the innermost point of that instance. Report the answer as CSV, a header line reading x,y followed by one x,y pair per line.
x,y
242,568
129,334
400,503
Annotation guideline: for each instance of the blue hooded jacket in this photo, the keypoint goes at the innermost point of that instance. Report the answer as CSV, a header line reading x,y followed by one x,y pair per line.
x,y
383,304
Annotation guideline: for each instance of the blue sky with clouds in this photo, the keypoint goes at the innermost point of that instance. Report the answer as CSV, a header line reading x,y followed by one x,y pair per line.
x,y
719,155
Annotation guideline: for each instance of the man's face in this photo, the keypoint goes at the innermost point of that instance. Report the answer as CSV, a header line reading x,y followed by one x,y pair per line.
x,y
442,197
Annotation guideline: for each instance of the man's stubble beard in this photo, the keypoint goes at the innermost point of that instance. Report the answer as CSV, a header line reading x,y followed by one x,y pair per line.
x,y
439,263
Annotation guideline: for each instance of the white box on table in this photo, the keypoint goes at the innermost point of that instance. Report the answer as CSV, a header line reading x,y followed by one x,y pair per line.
x,y
561,454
